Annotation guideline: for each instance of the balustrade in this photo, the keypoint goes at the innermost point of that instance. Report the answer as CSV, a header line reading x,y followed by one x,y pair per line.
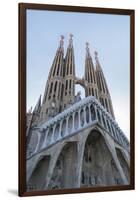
x,y
75,118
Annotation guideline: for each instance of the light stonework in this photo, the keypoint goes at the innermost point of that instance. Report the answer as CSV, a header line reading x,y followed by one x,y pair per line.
x,y
74,142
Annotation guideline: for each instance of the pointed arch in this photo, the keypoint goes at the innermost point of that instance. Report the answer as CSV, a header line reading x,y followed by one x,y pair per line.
x,y
97,167
65,165
38,177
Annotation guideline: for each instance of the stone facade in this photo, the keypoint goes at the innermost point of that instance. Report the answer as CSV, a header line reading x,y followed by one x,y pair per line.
x,y
74,142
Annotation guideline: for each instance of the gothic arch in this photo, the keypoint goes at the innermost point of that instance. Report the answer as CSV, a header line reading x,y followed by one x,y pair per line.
x,y
64,174
38,177
97,162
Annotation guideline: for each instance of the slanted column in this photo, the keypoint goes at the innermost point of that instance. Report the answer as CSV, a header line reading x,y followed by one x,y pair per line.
x,y
90,117
114,132
37,146
60,129
66,133
122,139
81,147
45,139
105,119
84,111
101,118
73,120
79,119
95,109
111,129
119,167
52,138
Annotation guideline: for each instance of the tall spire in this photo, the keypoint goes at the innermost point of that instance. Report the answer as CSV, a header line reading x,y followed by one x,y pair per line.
x,y
90,77
69,74
38,106
54,85
104,95
71,40
87,50
61,44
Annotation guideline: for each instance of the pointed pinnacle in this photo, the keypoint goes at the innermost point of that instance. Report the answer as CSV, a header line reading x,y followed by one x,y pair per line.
x,y
62,41
96,54
87,44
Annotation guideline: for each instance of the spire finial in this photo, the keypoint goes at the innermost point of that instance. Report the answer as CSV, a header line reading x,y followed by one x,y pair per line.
x,y
62,41
70,39
96,55
87,44
87,49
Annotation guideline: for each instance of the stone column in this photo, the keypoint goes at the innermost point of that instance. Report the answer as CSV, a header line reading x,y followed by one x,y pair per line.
x,y
66,132
52,164
52,138
120,170
105,119
73,124
81,146
111,148
79,120
84,112
101,118
37,146
95,111
90,118
60,129
45,139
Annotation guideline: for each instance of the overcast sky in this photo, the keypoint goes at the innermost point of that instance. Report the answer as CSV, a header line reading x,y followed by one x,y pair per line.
x,y
107,34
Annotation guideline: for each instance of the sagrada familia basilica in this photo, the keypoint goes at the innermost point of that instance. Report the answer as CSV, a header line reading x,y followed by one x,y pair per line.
x,y
74,142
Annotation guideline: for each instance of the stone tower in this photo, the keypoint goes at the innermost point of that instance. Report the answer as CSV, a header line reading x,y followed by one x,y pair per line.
x,y
75,142
90,76
104,95
51,104
69,74
33,118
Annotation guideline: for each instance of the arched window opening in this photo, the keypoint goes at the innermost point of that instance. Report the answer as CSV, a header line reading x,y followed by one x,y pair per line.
x,y
63,129
98,115
55,87
92,92
82,117
58,69
70,123
62,91
50,91
66,84
56,133
76,120
87,114
93,115
70,84
59,91
49,136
